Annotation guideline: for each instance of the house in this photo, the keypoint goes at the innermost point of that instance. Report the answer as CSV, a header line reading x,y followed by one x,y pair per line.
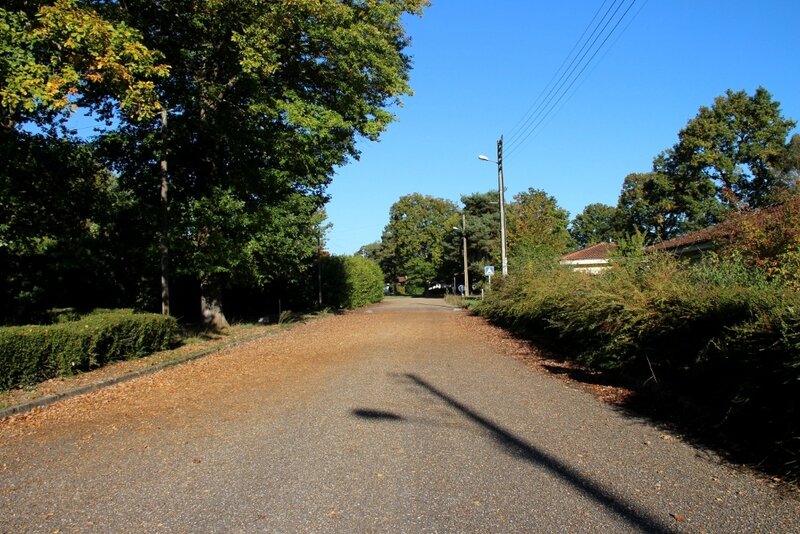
x,y
592,260
774,227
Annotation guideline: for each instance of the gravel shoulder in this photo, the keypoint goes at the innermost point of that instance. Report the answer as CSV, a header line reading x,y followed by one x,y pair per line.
x,y
408,416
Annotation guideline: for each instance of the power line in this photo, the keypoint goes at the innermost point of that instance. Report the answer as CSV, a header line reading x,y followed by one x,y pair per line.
x,y
531,110
569,77
545,122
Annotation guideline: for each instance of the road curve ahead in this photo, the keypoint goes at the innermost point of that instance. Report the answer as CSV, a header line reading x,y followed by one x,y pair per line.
x,y
396,418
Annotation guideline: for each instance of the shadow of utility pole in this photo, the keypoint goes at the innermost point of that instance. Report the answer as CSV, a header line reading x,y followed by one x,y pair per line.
x,y
624,510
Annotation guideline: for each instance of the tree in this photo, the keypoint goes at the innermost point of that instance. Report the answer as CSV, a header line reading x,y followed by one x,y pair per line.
x,y
60,215
788,166
660,207
595,224
267,98
736,144
413,240
536,228
60,56
482,216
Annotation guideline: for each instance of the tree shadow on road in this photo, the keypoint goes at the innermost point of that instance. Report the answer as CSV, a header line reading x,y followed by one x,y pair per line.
x,y
625,510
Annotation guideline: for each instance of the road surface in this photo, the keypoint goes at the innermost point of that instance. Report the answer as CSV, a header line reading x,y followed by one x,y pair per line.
x,y
401,417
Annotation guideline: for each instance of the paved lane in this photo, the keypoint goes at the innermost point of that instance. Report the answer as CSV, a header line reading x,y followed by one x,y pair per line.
x,y
399,418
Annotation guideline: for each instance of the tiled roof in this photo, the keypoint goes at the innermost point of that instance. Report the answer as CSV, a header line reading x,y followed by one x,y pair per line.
x,y
694,238
599,251
707,236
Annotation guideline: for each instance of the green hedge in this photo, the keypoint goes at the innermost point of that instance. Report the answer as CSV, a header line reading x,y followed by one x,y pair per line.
x,y
351,281
721,333
30,354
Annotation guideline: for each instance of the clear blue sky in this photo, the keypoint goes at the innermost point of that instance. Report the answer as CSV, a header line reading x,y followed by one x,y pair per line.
x,y
479,66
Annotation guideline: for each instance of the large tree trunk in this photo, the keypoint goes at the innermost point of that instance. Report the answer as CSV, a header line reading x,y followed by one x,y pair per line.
x,y
211,307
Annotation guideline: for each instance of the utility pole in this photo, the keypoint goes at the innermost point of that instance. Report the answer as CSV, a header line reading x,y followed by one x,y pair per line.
x,y
502,192
464,242
164,241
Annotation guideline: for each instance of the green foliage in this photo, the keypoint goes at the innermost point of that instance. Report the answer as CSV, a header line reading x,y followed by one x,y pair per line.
x,y
736,144
413,240
270,99
266,99
630,247
661,207
65,54
482,213
768,239
536,228
731,155
595,224
30,354
62,220
720,332
351,281
286,317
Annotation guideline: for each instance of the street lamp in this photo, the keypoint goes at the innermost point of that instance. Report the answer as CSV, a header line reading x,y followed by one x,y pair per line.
x,y
502,193
463,231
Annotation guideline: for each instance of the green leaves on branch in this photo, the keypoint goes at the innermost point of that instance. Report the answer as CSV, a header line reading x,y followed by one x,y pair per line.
x,y
66,55
732,155
265,97
413,241
736,144
537,228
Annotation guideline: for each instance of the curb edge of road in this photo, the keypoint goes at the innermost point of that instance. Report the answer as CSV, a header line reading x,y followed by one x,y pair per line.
x,y
89,388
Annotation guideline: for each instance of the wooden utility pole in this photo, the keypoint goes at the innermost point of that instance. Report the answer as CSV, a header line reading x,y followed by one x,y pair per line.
x,y
502,192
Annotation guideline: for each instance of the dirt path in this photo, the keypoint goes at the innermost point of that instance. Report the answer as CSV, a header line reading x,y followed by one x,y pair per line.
x,y
403,417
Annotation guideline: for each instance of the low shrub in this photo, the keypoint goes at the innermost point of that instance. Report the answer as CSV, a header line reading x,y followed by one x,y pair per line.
x,y
30,354
722,333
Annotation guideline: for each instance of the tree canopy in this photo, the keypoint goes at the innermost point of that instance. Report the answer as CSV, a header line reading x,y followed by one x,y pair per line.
x,y
736,144
595,224
413,240
263,100
536,228
732,155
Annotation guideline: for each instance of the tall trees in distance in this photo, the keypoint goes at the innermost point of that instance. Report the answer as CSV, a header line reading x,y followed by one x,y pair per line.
x,y
595,224
736,144
412,244
482,217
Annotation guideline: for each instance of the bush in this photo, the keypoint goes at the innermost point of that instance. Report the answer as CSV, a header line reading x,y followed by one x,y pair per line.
x,y
722,332
30,354
351,281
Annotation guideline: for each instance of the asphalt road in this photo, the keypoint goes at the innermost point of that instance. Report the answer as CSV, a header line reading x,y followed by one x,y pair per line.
x,y
397,418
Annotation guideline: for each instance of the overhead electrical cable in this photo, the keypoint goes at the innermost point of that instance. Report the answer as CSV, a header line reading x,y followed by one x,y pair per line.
x,y
568,79
550,84
589,74
572,74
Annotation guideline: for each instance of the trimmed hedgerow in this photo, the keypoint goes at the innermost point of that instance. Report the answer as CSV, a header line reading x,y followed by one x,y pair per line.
x,y
351,281
30,354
